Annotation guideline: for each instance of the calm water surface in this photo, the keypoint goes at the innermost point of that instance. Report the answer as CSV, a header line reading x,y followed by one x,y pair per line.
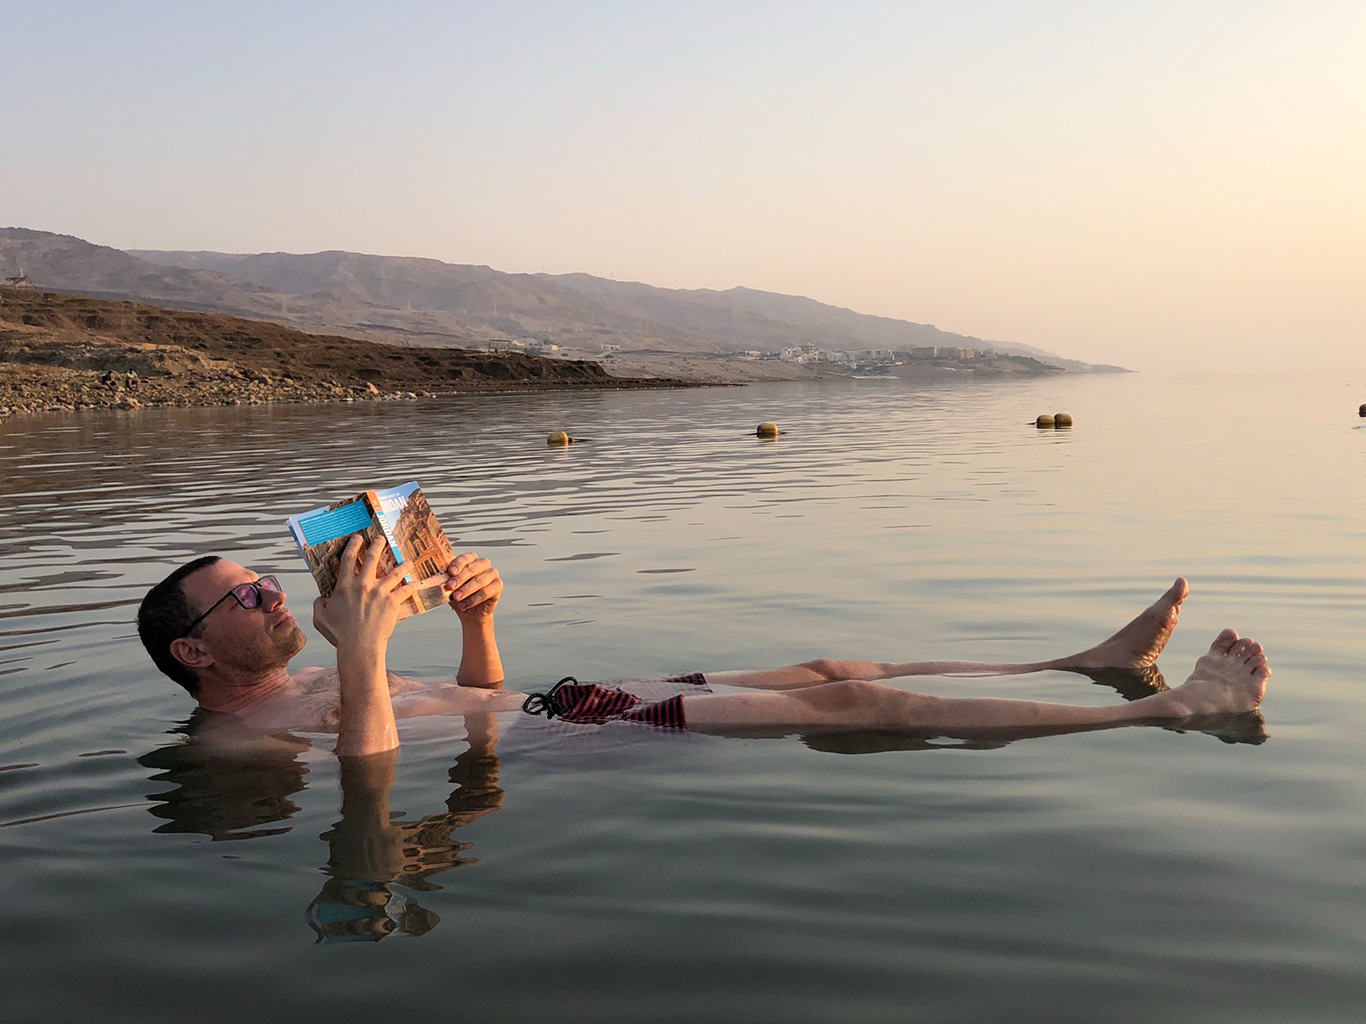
x,y
520,874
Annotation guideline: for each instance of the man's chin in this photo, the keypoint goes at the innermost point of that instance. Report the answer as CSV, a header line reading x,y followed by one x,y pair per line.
x,y
293,641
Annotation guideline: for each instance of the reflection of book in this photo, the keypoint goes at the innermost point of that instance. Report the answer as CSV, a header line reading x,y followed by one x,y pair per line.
x,y
401,516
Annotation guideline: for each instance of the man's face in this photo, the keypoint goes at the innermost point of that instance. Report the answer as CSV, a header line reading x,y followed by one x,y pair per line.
x,y
250,639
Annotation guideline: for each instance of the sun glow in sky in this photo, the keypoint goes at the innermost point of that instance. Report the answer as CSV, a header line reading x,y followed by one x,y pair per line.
x,y
1162,185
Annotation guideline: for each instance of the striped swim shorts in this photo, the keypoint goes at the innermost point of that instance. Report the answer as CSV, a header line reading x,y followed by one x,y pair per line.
x,y
593,704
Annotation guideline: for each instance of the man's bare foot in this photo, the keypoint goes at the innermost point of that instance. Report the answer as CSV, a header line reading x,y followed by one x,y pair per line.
x,y
1231,678
1139,643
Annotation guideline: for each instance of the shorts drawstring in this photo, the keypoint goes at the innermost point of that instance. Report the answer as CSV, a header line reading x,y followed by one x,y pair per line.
x,y
548,702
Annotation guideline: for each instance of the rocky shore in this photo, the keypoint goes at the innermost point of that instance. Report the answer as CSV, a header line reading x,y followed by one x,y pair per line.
x,y
29,389
55,348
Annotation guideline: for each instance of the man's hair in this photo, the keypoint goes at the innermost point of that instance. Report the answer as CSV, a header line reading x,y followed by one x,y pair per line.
x,y
164,616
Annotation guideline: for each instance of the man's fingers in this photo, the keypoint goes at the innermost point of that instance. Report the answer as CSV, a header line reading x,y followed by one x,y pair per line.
x,y
484,595
406,593
321,622
370,564
395,575
460,561
465,566
475,600
475,583
350,558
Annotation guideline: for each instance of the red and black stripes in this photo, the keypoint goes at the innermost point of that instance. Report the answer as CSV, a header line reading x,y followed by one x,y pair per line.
x,y
591,704
664,714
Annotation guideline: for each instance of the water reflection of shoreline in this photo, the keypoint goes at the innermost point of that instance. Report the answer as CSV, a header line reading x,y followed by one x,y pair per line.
x,y
229,784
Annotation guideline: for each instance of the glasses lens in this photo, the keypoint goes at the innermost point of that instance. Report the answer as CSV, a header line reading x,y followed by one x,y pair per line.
x,y
247,595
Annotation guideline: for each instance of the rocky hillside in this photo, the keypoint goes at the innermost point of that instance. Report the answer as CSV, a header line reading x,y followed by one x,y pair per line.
x,y
54,348
428,302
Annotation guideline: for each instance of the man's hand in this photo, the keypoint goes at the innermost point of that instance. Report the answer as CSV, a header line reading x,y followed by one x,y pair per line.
x,y
360,616
321,622
364,605
473,586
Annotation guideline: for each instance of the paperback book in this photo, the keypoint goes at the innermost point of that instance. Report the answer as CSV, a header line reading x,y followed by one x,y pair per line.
x,y
401,516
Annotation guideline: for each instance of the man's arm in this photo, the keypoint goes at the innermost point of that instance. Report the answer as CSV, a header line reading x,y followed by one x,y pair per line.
x,y
475,586
360,616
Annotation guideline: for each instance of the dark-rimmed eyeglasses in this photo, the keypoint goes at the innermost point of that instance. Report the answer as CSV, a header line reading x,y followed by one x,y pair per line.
x,y
248,595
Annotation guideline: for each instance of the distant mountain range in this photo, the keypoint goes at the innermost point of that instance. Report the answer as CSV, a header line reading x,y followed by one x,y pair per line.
x,y
402,299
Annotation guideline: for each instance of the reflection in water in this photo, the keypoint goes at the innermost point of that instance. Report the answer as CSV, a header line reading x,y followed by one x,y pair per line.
x,y
372,847
951,896
1247,727
1130,683
229,781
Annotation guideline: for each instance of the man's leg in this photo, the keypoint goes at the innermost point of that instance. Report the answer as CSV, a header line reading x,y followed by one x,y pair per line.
x,y
1137,645
1230,678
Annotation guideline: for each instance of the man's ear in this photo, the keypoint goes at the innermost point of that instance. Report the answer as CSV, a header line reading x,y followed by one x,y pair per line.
x,y
190,653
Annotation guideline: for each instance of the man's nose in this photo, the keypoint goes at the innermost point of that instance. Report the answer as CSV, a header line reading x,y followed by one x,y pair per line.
x,y
272,599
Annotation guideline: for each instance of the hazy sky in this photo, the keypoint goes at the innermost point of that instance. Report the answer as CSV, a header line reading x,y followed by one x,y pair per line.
x,y
1157,184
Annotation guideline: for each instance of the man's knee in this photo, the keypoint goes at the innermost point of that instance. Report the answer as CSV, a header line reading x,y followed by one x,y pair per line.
x,y
828,669
843,695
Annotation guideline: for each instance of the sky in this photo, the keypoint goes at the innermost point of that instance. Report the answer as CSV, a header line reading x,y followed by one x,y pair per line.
x,y
1163,185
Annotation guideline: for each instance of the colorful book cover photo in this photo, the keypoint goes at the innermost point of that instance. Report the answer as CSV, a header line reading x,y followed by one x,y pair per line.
x,y
401,516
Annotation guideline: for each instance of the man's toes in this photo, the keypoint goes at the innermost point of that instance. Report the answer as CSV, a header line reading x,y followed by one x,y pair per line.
x,y
1224,642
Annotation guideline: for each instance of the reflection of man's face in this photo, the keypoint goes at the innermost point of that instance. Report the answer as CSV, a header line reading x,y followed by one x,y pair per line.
x,y
251,639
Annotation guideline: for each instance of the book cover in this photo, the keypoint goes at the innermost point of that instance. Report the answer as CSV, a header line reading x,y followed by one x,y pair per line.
x,y
401,516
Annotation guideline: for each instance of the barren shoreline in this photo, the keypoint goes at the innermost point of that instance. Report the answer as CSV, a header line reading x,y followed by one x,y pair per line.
x,y
55,348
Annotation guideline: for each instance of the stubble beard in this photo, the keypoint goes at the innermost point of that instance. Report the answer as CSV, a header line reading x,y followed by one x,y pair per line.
x,y
270,651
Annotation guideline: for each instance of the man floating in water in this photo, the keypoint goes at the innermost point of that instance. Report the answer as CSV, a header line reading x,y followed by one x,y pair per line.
x,y
225,634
